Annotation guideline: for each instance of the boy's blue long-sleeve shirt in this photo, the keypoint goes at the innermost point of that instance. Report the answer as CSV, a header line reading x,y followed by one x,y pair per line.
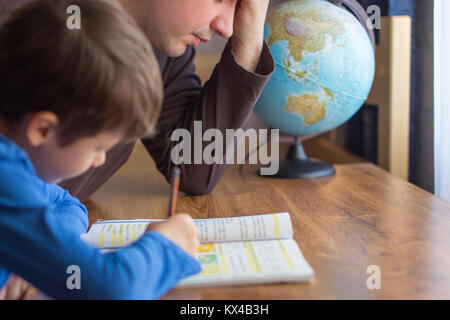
x,y
40,225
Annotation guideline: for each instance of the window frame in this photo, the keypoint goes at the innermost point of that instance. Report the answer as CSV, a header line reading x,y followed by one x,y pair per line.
x,y
442,98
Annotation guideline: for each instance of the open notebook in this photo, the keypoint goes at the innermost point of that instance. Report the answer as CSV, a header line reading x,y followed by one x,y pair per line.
x,y
233,251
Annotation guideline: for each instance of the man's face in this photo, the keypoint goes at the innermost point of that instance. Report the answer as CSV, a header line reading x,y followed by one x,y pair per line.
x,y
172,25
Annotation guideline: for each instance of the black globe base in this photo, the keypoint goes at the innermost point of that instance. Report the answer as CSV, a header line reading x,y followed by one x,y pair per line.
x,y
298,166
300,169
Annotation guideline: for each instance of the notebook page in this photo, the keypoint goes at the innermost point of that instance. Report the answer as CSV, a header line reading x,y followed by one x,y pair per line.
x,y
251,262
121,233
115,233
258,227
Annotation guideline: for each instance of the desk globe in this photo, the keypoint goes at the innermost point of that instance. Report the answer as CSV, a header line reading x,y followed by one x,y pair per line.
x,y
324,70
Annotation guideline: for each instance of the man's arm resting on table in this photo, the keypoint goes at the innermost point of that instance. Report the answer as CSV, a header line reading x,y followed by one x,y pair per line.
x,y
225,102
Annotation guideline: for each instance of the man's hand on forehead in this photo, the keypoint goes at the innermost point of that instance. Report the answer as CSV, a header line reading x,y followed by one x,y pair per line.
x,y
248,36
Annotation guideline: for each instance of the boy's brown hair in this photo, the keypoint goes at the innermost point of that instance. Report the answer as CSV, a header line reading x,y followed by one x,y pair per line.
x,y
102,77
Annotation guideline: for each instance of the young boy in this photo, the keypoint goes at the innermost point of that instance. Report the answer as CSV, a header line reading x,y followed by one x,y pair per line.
x,y
66,97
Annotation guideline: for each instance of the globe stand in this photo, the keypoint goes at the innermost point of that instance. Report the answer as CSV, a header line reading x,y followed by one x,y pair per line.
x,y
297,165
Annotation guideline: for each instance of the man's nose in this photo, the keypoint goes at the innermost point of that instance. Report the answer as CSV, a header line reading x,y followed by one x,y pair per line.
x,y
223,23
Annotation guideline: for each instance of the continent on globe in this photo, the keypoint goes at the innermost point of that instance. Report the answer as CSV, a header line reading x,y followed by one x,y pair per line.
x,y
289,71
304,31
308,107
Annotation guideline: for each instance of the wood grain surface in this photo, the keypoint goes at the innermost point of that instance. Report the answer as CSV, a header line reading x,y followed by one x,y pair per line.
x,y
362,216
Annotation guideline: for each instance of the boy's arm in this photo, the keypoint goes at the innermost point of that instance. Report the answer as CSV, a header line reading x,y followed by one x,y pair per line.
x,y
35,245
225,102
69,209
19,185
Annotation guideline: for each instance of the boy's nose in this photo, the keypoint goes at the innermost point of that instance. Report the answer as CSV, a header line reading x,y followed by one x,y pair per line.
x,y
223,23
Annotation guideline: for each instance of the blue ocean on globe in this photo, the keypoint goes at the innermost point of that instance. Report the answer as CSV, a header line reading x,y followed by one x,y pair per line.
x,y
325,67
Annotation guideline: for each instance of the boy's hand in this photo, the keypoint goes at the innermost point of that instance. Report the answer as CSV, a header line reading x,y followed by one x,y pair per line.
x,y
15,289
248,35
181,230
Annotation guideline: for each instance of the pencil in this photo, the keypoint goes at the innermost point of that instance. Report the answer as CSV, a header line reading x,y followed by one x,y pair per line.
x,y
174,185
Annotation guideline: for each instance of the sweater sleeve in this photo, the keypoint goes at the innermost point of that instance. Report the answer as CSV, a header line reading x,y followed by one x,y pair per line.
x,y
35,245
69,209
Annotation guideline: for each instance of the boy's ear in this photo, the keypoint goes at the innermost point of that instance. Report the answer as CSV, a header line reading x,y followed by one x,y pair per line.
x,y
41,126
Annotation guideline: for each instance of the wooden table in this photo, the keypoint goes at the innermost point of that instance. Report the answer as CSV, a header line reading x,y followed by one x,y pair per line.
x,y
363,216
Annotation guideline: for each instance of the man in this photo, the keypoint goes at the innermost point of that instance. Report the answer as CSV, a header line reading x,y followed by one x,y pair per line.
x,y
225,102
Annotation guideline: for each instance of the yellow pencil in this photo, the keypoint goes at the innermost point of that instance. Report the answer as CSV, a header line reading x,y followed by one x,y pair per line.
x,y
174,186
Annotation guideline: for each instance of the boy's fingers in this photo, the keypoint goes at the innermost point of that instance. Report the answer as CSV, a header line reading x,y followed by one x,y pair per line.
x,y
154,224
13,293
14,288
3,293
31,293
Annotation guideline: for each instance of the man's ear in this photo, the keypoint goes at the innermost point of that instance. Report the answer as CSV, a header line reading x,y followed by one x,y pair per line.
x,y
41,127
